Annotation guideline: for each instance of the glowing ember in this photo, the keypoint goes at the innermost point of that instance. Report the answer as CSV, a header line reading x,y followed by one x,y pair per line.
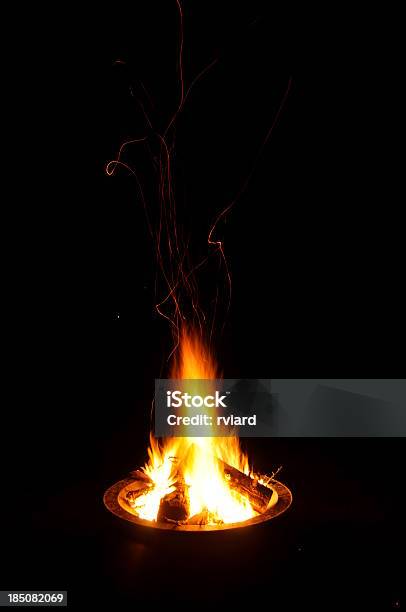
x,y
194,462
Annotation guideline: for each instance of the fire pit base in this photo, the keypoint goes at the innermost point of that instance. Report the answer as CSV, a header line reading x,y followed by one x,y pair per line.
x,y
116,501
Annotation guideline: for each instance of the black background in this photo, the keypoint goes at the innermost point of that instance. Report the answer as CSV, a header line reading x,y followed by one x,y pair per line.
x,y
314,245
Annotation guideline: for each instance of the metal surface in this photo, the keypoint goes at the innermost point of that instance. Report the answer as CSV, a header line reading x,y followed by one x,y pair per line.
x,y
115,501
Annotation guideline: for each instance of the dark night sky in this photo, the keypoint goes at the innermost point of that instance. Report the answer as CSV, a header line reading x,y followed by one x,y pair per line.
x,y
314,245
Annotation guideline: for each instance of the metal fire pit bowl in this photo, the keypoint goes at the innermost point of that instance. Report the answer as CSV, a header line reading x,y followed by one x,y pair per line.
x,y
115,501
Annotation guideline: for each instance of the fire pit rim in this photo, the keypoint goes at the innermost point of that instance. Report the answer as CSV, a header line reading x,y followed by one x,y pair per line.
x,y
111,502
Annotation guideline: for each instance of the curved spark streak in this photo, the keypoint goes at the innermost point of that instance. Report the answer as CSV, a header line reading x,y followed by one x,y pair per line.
x,y
223,214
115,162
180,67
174,267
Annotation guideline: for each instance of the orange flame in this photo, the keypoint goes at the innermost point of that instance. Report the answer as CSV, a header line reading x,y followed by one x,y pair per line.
x,y
195,460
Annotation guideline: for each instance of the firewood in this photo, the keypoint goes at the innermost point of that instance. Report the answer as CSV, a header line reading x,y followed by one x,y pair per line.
x,y
202,518
140,475
174,507
132,495
258,494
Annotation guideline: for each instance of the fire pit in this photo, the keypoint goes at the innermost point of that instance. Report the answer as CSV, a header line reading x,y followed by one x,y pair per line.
x,y
120,498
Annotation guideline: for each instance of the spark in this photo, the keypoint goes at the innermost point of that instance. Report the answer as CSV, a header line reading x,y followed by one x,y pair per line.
x,y
180,300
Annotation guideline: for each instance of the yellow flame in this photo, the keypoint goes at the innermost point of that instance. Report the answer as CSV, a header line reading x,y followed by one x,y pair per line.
x,y
195,459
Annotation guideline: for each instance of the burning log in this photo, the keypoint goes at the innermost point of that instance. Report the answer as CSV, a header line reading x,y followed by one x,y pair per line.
x,y
143,484
259,495
132,495
174,507
140,475
202,518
